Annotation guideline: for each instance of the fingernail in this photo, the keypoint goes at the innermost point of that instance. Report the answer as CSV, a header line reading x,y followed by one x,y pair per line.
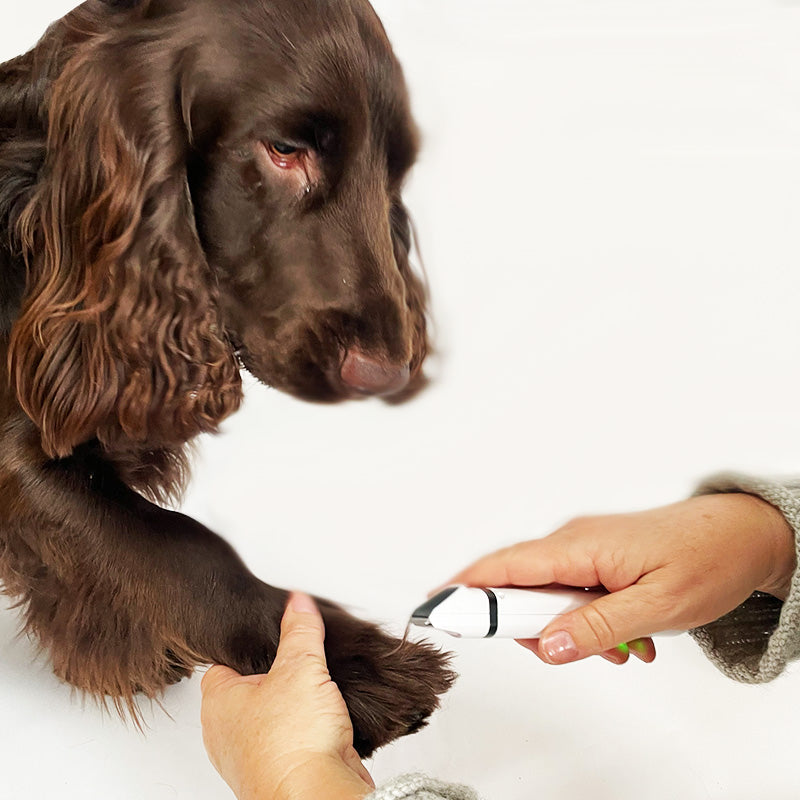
x,y
302,603
623,648
614,657
559,648
643,649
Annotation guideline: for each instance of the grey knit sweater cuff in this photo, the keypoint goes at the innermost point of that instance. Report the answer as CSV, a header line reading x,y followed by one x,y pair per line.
x,y
420,787
754,643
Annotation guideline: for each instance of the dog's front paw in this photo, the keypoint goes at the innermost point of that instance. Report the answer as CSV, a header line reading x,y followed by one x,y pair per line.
x,y
391,686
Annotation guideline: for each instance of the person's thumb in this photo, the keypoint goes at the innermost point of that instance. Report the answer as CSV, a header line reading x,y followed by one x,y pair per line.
x,y
603,624
302,631
218,676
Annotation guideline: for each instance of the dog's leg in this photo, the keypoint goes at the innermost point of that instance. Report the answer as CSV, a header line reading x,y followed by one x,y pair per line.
x,y
127,596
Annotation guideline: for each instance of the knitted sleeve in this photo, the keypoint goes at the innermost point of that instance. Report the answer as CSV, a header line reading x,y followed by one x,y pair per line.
x,y
754,642
421,787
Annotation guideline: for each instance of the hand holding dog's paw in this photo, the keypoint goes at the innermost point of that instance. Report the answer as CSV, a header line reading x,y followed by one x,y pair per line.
x,y
391,686
287,734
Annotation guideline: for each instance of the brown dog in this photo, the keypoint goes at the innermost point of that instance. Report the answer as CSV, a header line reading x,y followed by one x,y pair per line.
x,y
188,187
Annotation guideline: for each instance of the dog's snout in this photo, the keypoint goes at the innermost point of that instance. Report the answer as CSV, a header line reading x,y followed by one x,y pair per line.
x,y
369,375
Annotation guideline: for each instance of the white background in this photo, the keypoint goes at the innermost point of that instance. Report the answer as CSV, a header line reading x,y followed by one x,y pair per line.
x,y
607,202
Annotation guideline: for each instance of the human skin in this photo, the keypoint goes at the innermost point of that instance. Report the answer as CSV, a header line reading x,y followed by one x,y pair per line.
x,y
285,735
671,568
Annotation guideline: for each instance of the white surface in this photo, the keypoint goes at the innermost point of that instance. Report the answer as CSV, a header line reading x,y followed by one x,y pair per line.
x,y
608,205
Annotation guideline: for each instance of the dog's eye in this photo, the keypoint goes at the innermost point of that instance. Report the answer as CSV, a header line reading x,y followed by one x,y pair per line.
x,y
283,149
284,155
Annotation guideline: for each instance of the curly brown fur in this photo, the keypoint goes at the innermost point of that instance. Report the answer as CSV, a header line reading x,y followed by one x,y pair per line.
x,y
188,187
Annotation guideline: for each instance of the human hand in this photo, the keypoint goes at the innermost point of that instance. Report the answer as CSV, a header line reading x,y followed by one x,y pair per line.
x,y
285,735
671,568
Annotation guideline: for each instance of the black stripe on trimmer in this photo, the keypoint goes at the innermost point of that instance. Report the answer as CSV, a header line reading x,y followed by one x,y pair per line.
x,y
492,613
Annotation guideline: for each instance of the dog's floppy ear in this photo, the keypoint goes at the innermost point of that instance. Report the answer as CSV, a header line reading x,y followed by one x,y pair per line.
x,y
119,336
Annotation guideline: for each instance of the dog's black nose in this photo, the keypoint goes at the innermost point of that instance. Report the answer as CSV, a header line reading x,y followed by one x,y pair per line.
x,y
370,376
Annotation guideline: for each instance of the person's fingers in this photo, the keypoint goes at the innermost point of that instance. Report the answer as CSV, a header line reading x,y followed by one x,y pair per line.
x,y
603,624
511,566
643,649
302,631
618,655
538,562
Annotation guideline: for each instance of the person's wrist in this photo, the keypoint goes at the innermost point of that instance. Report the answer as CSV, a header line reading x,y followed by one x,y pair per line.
x,y
316,776
781,548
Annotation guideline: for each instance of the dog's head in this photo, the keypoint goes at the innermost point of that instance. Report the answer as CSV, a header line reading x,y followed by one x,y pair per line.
x,y
221,185
303,138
